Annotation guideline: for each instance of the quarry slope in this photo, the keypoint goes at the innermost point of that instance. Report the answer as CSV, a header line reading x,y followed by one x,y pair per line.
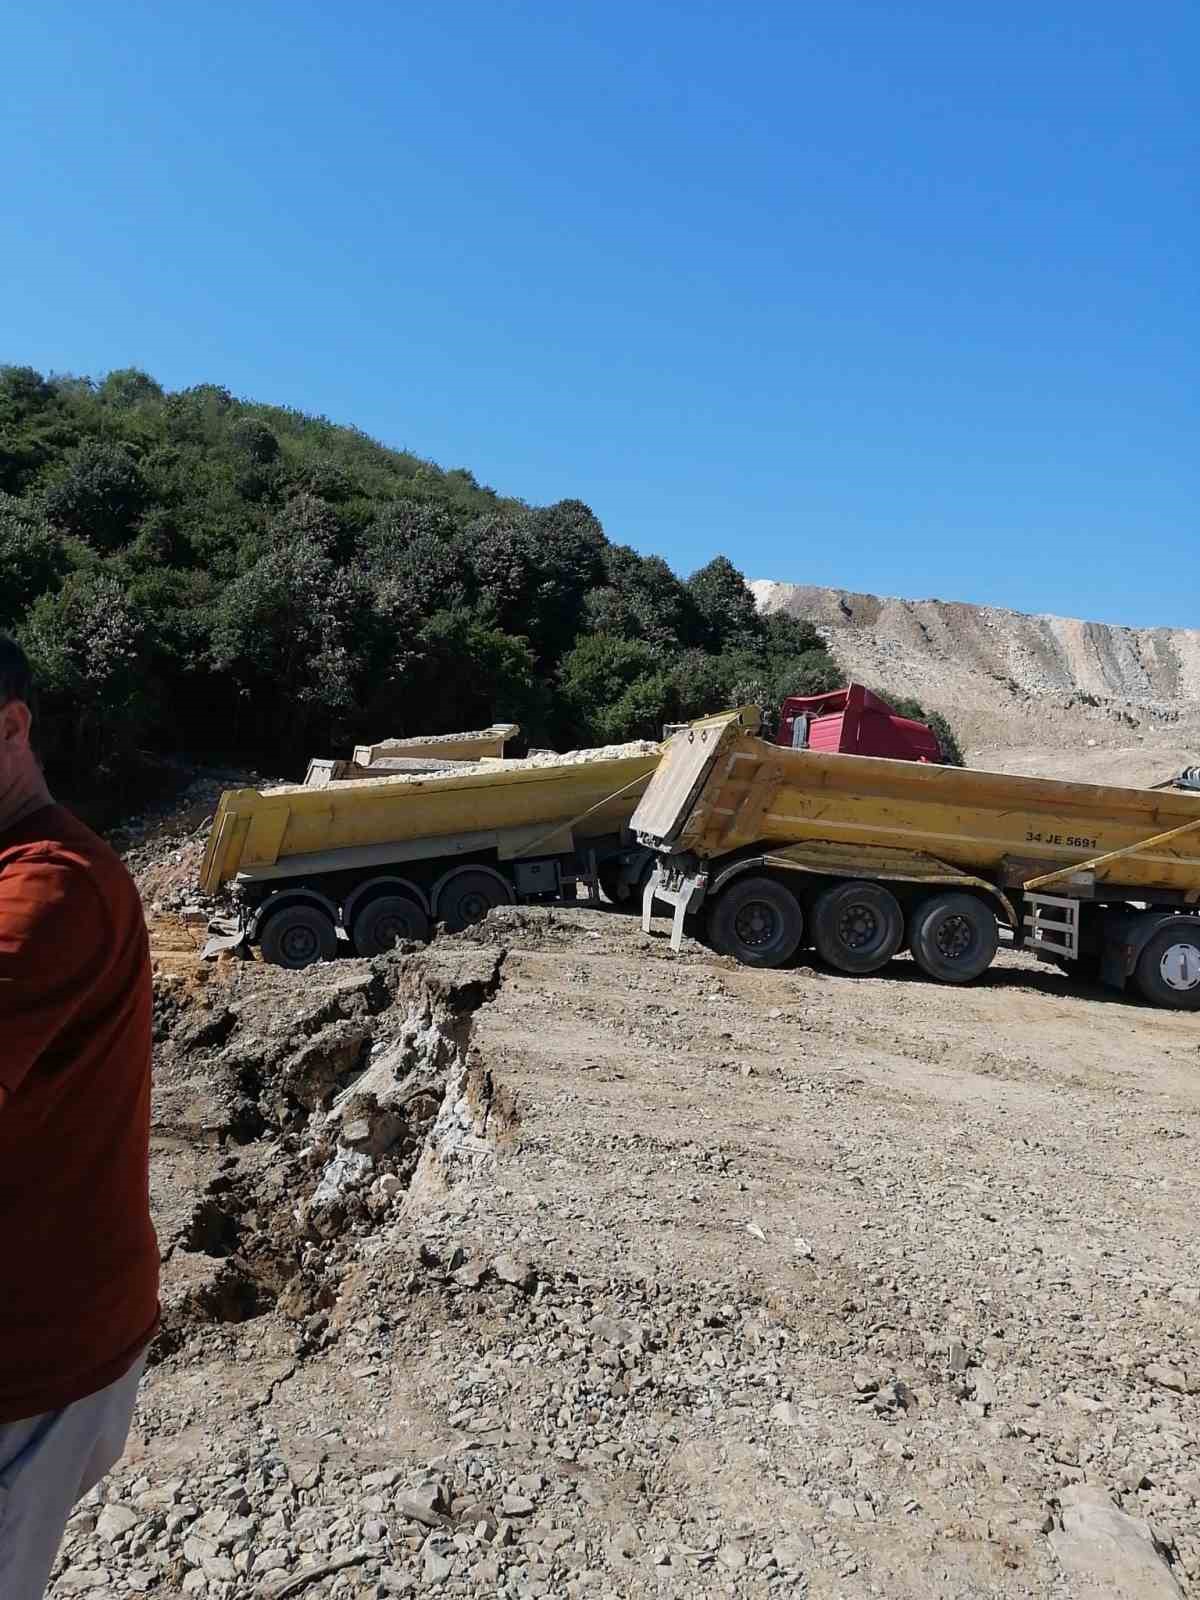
x,y
1038,694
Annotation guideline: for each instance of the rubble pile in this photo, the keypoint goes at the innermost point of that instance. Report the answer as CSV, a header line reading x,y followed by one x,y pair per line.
x,y
490,765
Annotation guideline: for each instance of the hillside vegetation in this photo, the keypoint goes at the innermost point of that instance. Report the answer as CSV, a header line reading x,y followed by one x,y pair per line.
x,y
192,572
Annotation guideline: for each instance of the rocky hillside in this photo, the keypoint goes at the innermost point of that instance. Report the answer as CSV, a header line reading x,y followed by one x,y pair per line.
x,y
1035,693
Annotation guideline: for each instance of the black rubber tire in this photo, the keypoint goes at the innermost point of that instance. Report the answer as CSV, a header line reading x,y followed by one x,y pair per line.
x,y
757,921
857,927
468,896
385,921
1148,974
953,937
296,936
615,892
620,893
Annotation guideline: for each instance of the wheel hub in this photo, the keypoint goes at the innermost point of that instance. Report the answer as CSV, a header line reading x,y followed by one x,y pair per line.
x,y
1180,967
858,928
756,924
954,938
300,945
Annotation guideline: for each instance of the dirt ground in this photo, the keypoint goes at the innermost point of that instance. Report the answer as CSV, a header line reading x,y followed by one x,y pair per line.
x,y
548,1263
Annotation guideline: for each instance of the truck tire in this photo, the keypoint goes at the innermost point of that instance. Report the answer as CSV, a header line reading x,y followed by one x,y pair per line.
x,y
616,892
468,895
619,891
385,922
758,921
296,936
857,927
953,937
1168,969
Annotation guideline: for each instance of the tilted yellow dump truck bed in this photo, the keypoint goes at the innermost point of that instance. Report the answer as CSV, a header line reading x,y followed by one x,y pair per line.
x,y
720,788
1061,859
372,862
273,832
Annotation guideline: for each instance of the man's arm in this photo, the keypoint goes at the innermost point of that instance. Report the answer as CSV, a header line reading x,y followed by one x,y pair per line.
x,y
51,948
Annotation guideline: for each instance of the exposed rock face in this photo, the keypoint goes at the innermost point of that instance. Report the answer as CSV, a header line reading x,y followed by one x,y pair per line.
x,y
1004,677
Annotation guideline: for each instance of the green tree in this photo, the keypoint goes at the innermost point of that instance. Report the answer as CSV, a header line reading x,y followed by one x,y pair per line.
x,y
35,430
253,439
286,633
98,494
127,388
85,643
33,559
616,689
468,675
641,598
725,605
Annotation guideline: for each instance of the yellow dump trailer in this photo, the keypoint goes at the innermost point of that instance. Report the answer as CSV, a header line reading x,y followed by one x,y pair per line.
x,y
376,860
862,856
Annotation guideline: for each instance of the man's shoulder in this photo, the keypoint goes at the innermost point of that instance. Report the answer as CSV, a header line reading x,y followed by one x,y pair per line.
x,y
55,839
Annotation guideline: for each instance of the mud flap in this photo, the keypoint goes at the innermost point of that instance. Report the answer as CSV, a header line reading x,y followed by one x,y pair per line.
x,y
223,936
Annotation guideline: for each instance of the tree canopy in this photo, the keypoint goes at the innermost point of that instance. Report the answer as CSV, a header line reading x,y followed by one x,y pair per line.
x,y
195,573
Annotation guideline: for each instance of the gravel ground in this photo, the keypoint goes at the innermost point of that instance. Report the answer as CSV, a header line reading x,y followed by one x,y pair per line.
x,y
546,1263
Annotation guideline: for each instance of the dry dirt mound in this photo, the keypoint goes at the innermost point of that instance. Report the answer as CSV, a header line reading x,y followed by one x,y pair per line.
x,y
1048,684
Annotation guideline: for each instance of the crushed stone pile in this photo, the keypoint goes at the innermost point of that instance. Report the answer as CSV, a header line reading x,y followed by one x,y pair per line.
x,y
485,769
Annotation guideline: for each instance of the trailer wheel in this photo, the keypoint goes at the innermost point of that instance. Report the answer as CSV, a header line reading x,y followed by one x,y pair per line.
x,y
616,892
857,927
467,897
953,937
758,921
386,921
619,891
1168,969
296,936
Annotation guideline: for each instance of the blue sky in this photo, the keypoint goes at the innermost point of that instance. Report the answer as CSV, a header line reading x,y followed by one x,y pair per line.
x,y
894,297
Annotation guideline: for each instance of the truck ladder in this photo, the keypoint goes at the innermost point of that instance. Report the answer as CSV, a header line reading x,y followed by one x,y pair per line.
x,y
1052,926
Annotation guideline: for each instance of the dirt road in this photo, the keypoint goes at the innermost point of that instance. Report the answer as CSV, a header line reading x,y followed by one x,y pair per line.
x,y
772,1283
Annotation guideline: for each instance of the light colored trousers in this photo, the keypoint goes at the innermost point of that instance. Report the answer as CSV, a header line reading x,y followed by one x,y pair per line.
x,y
48,1463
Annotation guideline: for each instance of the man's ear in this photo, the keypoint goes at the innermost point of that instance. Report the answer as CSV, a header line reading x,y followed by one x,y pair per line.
x,y
15,723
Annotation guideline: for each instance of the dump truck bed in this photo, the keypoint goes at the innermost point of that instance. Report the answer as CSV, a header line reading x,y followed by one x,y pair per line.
x,y
454,746
720,789
508,806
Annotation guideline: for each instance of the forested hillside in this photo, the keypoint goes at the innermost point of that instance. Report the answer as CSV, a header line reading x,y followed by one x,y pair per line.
x,y
194,573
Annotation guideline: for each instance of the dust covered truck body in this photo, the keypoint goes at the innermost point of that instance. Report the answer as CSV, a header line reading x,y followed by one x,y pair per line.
x,y
769,848
376,860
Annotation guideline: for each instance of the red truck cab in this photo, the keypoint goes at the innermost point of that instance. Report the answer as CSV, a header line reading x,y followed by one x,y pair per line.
x,y
854,722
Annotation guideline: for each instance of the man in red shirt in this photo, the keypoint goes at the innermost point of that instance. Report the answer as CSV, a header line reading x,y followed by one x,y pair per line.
x,y
78,1256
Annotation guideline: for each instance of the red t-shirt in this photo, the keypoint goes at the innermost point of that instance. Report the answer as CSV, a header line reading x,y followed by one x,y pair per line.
x,y
78,1256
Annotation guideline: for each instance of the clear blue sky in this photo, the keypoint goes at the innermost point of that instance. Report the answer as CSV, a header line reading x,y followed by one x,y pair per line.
x,y
894,297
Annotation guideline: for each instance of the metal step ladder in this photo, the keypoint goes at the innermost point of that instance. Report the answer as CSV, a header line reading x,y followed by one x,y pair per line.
x,y
1052,926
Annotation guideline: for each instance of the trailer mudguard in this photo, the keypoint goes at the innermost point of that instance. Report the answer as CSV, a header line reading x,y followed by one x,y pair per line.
x,y
287,897
867,861
1126,935
385,880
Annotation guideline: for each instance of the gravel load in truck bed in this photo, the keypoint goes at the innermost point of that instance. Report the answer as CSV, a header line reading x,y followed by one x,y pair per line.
x,y
495,764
